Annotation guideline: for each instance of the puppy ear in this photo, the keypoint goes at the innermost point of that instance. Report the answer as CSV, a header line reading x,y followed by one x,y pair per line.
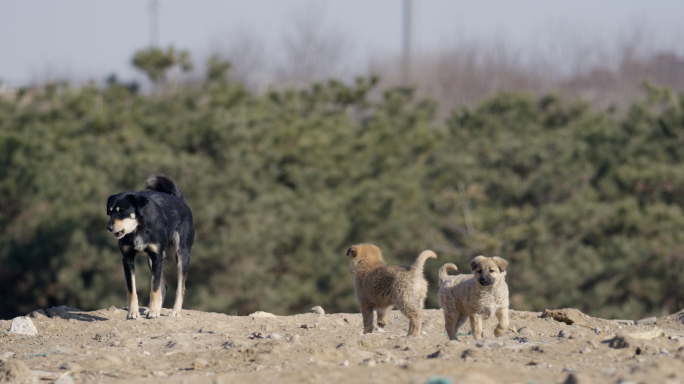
x,y
139,202
476,261
110,203
501,263
351,252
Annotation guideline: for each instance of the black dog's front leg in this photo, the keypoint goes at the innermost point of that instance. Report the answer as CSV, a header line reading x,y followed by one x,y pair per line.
x,y
158,284
129,271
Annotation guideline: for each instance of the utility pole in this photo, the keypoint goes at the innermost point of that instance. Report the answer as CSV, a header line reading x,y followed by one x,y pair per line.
x,y
406,41
154,22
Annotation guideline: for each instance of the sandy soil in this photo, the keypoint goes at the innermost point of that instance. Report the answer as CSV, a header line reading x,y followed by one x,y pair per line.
x,y
102,346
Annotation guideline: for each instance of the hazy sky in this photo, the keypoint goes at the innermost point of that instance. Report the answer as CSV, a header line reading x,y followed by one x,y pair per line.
x,y
81,39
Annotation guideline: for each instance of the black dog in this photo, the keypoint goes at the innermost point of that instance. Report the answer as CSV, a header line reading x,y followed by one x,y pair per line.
x,y
156,221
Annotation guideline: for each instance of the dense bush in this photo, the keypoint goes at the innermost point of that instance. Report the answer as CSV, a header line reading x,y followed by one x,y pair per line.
x,y
586,205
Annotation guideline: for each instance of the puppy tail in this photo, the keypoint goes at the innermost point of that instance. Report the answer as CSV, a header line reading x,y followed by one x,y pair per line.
x,y
443,271
164,184
417,265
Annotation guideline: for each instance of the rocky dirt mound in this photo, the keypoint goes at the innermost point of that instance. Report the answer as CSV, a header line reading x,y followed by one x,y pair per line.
x,y
102,346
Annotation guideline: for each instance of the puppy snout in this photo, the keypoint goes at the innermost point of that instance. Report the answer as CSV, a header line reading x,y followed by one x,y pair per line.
x,y
486,280
110,227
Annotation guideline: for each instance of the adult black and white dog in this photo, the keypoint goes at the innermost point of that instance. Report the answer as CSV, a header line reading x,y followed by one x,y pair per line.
x,y
158,222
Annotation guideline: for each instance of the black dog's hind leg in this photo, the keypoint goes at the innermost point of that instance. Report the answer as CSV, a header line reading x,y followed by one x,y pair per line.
x,y
183,263
131,292
158,284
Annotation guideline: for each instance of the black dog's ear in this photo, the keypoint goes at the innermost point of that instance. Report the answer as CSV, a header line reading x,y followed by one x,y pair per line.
x,y
351,252
139,202
110,203
475,262
501,263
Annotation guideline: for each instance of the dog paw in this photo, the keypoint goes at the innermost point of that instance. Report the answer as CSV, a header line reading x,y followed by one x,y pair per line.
x,y
175,313
151,314
133,314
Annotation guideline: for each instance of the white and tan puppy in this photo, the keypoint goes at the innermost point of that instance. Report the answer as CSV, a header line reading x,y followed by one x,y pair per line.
x,y
476,297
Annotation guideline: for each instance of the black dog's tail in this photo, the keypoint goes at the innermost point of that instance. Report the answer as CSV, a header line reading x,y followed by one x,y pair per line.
x,y
164,184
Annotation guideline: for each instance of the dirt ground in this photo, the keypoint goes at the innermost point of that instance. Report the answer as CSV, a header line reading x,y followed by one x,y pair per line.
x,y
200,347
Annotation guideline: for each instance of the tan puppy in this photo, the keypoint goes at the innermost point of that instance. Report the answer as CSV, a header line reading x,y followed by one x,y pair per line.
x,y
476,297
380,285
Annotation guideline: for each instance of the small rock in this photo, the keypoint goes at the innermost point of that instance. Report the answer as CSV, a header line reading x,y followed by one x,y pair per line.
x,y
66,379
38,313
370,362
378,329
625,322
159,374
74,367
345,363
199,364
585,350
650,335
317,310
110,335
257,335
295,338
307,326
146,353
435,355
14,371
23,325
621,340
646,321
274,336
234,344
566,315
62,311
576,378
5,355
113,309
469,355
262,314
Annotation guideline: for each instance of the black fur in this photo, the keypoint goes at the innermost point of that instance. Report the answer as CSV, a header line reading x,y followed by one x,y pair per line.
x,y
158,222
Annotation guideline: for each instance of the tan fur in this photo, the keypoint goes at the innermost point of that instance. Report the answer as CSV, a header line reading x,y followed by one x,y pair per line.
x,y
126,225
133,309
380,285
463,297
156,297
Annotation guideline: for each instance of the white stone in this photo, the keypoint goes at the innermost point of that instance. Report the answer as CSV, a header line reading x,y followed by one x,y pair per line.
x,y
23,326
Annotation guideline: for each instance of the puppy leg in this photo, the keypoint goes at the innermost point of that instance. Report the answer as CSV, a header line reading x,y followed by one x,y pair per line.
x,y
455,322
382,316
415,320
450,325
157,286
476,326
502,316
367,314
183,262
131,292
462,318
